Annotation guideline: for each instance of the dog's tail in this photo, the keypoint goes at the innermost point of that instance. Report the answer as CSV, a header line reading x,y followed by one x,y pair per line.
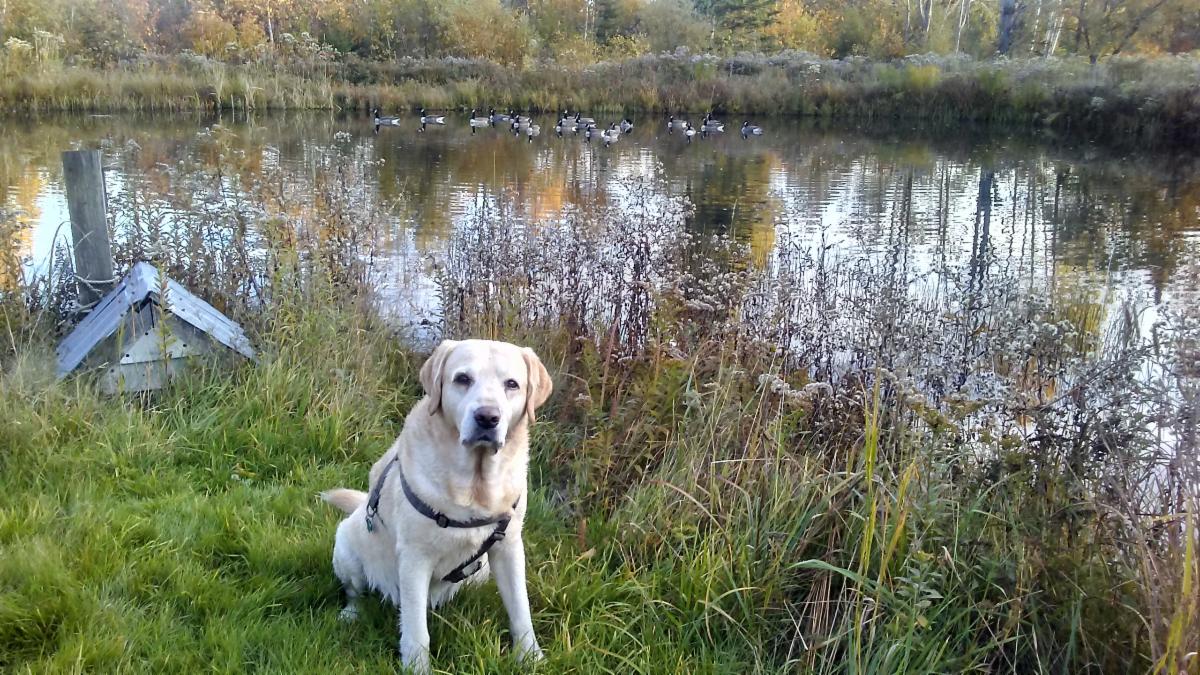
x,y
346,500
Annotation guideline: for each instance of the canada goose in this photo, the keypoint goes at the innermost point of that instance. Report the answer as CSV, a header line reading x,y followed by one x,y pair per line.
x,y
384,121
710,125
477,122
748,130
519,119
688,131
495,117
563,125
532,130
611,135
673,123
588,133
626,125
586,121
430,119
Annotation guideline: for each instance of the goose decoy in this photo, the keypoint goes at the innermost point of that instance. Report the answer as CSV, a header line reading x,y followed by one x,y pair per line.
x,y
688,131
563,125
626,125
710,125
588,133
384,121
430,119
519,119
531,131
495,117
477,122
586,121
750,130
611,135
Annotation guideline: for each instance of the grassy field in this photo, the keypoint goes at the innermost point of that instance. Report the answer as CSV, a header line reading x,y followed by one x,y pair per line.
x,y
183,533
1145,100
793,468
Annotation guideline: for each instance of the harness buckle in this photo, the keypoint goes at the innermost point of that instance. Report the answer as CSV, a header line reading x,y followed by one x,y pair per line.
x,y
442,520
372,511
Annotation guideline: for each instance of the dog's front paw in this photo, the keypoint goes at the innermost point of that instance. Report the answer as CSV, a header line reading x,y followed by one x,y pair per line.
x,y
414,658
530,652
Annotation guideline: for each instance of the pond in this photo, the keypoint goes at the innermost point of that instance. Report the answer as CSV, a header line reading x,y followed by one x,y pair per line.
x,y
917,202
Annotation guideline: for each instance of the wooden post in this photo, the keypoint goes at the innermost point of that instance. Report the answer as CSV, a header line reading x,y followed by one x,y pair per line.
x,y
87,202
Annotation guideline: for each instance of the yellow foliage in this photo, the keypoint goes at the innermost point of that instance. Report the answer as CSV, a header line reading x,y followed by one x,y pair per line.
x,y
485,29
798,27
208,33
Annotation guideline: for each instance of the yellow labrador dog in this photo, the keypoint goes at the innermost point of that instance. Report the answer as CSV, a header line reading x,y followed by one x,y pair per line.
x,y
448,498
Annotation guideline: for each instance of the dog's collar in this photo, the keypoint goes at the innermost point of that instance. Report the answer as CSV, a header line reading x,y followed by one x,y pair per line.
x,y
440,518
472,564
419,504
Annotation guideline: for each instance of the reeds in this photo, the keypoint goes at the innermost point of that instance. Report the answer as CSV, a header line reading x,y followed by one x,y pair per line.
x,y
889,486
1143,99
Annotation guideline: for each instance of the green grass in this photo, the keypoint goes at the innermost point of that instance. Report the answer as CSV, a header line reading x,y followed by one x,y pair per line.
x,y
183,532
186,536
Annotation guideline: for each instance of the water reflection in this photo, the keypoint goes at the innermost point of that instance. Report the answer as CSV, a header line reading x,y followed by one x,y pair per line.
x,y
918,202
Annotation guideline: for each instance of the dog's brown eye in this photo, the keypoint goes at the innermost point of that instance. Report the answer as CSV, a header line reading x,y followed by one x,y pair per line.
x,y
511,384
463,379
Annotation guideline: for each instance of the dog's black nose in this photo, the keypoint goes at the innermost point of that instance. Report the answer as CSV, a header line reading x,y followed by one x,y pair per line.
x,y
487,417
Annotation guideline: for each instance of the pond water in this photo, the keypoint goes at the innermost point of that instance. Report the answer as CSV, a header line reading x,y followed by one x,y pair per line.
x,y
916,200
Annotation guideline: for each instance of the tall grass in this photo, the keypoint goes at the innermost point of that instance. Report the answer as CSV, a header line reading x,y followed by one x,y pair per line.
x,y
804,466
958,478
1147,99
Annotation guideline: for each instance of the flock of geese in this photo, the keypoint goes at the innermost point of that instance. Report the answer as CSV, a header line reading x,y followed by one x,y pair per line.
x,y
523,125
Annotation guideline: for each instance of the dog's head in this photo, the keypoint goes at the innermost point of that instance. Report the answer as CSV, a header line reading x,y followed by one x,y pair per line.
x,y
485,389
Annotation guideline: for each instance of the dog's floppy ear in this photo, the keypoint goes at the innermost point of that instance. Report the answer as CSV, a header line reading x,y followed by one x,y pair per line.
x,y
431,373
540,384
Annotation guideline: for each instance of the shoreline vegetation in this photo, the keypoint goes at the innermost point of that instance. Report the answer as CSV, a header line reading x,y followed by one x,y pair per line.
x,y
809,465
1150,100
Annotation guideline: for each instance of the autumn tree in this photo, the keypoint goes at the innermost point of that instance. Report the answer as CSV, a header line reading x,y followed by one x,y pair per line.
x,y
485,29
1107,27
737,23
669,24
797,26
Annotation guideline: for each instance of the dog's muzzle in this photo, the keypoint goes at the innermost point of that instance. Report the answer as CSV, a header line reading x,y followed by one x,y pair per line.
x,y
485,440
486,435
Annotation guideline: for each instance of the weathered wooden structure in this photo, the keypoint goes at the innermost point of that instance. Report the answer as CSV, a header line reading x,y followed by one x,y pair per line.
x,y
145,330
87,203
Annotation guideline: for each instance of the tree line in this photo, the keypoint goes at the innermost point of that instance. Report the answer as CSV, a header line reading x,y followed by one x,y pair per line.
x,y
521,32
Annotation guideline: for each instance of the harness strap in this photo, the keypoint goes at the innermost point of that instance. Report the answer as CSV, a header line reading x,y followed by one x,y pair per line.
x,y
376,493
472,564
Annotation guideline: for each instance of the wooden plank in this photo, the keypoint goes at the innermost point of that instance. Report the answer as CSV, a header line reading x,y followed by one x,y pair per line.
x,y
104,320
87,203
122,317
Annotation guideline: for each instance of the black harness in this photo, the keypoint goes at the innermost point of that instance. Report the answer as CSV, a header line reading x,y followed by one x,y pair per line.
x,y
472,564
